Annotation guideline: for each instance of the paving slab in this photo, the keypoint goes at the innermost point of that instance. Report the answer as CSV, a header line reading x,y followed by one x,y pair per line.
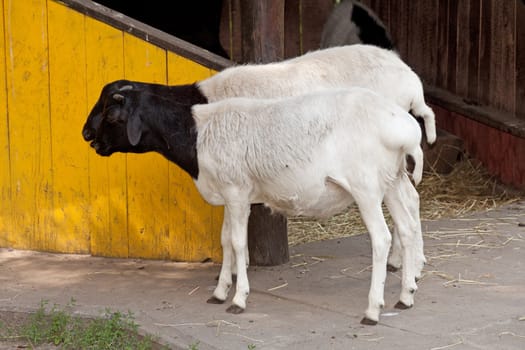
x,y
472,295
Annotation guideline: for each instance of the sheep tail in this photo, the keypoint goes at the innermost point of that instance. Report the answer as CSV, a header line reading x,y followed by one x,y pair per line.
x,y
429,120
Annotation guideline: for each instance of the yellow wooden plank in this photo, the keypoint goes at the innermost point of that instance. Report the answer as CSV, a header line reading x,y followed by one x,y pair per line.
x,y
5,182
148,191
184,71
29,122
107,176
198,237
70,157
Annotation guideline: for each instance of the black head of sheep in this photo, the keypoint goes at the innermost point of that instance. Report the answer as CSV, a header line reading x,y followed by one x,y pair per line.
x,y
184,94
134,121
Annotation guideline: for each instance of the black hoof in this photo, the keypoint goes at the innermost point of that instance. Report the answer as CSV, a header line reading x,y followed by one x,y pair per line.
x,y
391,268
401,306
234,278
234,309
214,300
368,322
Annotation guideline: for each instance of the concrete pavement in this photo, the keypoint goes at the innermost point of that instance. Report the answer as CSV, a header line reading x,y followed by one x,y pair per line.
x,y
472,295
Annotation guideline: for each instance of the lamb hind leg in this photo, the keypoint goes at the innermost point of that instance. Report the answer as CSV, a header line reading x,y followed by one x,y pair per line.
x,y
395,258
407,229
411,198
372,215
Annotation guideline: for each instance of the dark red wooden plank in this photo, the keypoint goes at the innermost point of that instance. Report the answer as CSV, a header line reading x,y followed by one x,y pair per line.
x,y
399,26
502,56
313,17
520,58
442,52
423,36
463,47
292,28
474,49
485,63
452,26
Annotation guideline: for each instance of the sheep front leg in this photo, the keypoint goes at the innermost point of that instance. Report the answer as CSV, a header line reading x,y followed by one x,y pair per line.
x,y
239,214
225,277
372,215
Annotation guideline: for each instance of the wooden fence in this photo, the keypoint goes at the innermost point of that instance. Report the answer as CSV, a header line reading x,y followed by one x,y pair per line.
x,y
469,53
57,194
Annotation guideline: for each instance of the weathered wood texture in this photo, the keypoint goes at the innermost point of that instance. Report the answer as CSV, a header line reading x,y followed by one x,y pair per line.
x,y
471,47
501,152
303,22
57,194
262,38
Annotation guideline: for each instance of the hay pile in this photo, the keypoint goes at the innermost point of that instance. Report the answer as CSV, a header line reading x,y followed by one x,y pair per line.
x,y
467,189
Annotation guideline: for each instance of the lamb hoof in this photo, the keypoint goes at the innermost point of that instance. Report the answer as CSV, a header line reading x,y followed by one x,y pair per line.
x,y
401,306
214,300
368,322
391,268
234,309
234,278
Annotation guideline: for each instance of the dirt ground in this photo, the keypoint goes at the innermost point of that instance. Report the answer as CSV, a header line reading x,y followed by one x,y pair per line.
x,y
14,320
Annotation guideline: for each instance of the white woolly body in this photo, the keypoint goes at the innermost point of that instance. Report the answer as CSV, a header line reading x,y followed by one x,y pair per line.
x,y
359,65
303,155
366,66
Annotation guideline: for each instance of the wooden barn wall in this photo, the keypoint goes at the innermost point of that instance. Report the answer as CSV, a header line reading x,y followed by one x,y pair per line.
x,y
473,48
57,194
501,152
303,24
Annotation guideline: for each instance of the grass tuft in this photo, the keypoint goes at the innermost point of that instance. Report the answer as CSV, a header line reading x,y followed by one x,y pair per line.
x,y
57,326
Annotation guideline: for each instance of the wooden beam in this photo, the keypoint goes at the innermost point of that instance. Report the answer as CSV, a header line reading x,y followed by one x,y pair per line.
x,y
263,41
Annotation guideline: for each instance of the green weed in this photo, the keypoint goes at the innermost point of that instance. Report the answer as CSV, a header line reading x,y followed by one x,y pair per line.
x,y
57,326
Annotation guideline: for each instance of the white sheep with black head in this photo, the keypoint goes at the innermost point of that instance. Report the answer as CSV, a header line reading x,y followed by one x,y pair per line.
x,y
366,66
310,155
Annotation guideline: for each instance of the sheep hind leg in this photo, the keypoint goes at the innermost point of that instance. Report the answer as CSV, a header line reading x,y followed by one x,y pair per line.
x,y
396,256
407,229
411,198
372,214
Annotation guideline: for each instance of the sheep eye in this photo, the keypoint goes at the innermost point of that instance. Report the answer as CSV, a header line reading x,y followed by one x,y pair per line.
x,y
113,114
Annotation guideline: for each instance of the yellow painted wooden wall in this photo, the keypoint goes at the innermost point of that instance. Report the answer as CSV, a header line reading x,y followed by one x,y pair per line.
x,y
57,194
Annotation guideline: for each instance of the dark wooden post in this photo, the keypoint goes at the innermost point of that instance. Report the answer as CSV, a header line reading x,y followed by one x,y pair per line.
x,y
263,41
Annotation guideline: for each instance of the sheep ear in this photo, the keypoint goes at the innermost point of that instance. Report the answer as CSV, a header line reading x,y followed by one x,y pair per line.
x,y
118,97
134,129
